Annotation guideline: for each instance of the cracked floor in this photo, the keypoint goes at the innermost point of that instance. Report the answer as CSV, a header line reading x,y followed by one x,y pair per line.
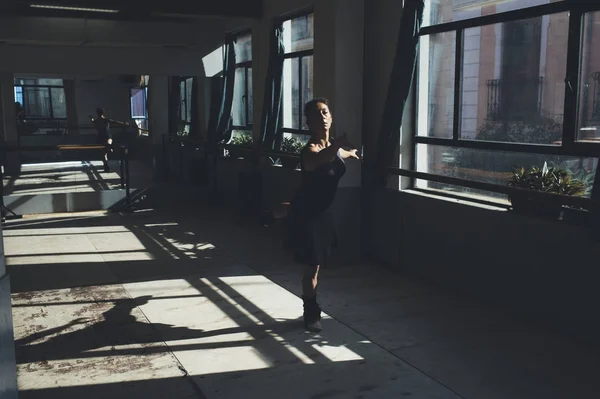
x,y
188,304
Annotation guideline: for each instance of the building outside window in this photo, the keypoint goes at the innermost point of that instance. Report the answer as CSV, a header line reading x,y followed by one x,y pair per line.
x,y
492,96
298,39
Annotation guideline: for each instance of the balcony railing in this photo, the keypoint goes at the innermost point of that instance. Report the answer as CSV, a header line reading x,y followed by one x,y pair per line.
x,y
514,100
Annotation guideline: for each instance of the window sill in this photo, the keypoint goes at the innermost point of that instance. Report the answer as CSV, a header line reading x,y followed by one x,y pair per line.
x,y
275,165
237,150
280,154
477,201
568,216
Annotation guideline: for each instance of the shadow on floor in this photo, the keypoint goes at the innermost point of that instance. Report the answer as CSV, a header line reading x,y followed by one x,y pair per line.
x,y
189,243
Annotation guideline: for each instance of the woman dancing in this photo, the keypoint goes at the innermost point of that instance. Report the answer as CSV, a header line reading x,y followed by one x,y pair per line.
x,y
311,234
104,135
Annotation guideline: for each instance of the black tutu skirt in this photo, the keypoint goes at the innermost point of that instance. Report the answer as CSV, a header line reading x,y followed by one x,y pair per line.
x,y
311,238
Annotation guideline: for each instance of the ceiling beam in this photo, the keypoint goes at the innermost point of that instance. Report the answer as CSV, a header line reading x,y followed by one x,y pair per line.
x,y
137,9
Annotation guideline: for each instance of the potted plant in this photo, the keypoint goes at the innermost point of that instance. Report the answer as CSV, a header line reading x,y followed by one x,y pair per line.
x,y
291,148
239,145
546,179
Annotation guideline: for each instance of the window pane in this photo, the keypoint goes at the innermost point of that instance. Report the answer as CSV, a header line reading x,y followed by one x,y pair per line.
x,y
188,95
513,81
19,94
460,190
138,103
250,101
243,133
243,48
36,102
442,11
142,123
238,109
49,82
291,94
589,110
182,101
436,85
307,85
494,166
302,138
59,103
298,33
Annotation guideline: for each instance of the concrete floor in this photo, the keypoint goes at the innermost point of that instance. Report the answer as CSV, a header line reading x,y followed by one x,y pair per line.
x,y
62,177
180,302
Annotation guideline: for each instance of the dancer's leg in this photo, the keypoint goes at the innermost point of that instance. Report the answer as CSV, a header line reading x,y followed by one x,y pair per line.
x,y
312,311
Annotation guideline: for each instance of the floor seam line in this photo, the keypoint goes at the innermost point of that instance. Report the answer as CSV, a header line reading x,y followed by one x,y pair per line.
x,y
365,336
186,375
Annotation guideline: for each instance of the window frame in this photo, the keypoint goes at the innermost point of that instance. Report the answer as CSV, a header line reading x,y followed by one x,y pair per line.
x,y
183,105
296,56
569,145
247,67
144,90
51,108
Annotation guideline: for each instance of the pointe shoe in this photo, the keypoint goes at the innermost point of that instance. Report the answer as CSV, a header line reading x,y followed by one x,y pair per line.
x,y
312,314
313,326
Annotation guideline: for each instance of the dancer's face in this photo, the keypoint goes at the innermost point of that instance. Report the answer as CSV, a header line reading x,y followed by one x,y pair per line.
x,y
319,118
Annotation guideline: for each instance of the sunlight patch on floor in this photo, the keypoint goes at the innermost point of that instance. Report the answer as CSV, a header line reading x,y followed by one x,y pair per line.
x,y
65,231
74,245
96,370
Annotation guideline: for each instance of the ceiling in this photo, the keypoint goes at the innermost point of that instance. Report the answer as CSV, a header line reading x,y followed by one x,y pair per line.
x,y
136,9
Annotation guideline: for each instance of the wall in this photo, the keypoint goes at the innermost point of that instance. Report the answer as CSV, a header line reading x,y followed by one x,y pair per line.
x,y
109,92
74,46
338,75
493,255
382,21
92,91
107,47
546,271
101,60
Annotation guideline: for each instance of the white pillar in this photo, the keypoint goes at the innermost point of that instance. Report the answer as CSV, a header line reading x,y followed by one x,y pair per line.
x,y
7,100
158,119
8,128
10,135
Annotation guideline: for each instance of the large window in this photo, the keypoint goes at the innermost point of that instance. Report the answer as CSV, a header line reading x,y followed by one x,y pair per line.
x,y
589,111
185,108
41,99
298,40
503,85
139,104
242,90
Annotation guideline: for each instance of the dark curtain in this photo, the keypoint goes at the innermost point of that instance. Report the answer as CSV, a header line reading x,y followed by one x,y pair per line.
x,y
400,82
216,84
220,122
174,104
271,113
375,172
225,118
195,117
